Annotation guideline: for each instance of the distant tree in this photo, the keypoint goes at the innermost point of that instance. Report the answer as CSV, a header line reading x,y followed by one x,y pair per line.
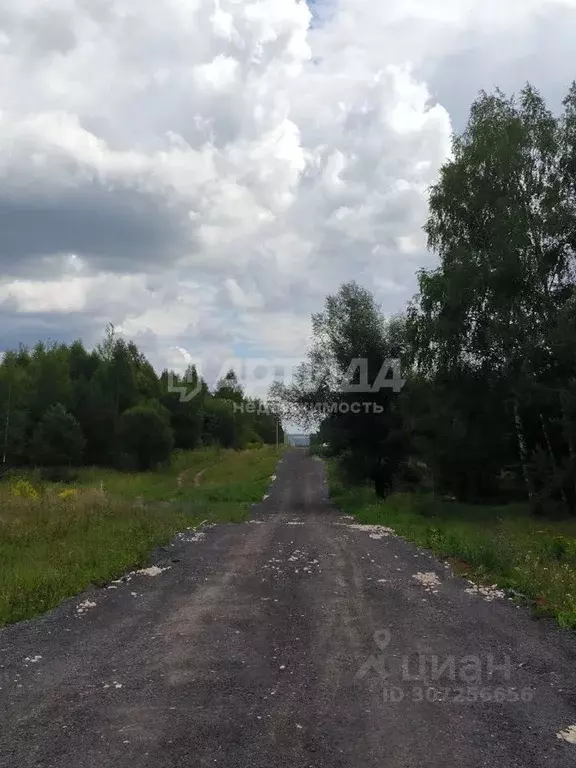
x,y
229,388
98,387
145,435
105,350
186,415
364,426
146,381
58,439
48,372
15,420
265,422
221,423
99,418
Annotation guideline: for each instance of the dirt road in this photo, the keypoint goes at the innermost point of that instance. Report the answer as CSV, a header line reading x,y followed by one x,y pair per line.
x,y
296,639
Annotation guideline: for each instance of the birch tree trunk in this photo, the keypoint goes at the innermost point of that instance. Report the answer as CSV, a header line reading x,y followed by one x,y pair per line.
x,y
523,451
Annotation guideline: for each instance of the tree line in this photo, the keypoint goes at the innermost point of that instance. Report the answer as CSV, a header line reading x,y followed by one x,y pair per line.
x,y
63,406
487,346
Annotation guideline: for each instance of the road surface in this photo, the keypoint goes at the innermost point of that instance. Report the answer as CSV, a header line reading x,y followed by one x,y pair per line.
x,y
295,639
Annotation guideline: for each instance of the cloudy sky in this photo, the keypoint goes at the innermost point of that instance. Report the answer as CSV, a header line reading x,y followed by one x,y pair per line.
x,y
202,173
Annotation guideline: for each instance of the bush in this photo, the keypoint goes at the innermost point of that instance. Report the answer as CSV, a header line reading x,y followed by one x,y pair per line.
x,y
57,440
221,424
59,475
145,435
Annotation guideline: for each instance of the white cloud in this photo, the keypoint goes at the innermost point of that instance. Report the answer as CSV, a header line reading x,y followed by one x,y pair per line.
x,y
217,166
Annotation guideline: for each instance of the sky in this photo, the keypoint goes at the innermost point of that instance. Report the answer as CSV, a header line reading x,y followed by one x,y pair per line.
x,y
202,173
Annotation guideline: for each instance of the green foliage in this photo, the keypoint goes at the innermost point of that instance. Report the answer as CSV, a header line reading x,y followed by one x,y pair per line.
x,y
57,440
488,412
229,389
492,333
146,435
364,427
54,543
221,424
98,387
186,417
501,545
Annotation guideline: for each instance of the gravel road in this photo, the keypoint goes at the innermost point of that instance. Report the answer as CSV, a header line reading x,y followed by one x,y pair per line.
x,y
296,639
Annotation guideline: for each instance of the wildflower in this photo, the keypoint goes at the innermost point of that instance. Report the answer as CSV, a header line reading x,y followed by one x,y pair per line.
x,y
69,493
25,490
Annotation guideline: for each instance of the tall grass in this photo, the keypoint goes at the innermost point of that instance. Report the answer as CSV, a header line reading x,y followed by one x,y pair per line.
x,y
491,544
57,540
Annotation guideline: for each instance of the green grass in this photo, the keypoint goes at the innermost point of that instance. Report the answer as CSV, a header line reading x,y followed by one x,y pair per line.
x,y
52,547
502,545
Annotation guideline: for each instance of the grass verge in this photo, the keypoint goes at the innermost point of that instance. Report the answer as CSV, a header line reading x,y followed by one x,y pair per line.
x,y
504,545
57,540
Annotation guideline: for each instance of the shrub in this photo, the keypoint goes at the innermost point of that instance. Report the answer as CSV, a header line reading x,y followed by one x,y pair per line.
x,y
59,474
145,434
57,440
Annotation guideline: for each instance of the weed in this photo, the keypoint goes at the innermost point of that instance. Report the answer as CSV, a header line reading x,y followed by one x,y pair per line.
x,y
496,544
54,542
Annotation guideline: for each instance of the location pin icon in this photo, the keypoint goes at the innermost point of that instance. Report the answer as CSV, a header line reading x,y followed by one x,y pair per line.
x,y
382,638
